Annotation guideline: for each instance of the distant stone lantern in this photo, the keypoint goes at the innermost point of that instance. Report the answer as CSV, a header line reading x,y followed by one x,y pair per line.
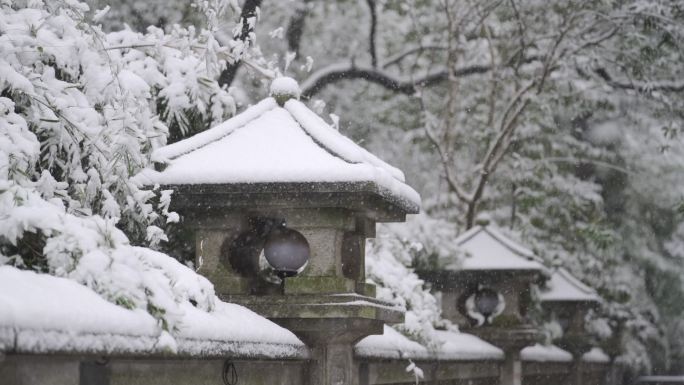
x,y
276,185
567,300
488,292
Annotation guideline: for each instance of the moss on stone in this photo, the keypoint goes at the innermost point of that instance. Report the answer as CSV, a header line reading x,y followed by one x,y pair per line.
x,y
318,285
506,321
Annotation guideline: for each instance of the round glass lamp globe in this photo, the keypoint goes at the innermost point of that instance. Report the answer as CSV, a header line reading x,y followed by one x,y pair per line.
x,y
287,251
486,301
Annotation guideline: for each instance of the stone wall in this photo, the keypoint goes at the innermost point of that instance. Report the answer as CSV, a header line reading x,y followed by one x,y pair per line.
x,y
93,370
67,370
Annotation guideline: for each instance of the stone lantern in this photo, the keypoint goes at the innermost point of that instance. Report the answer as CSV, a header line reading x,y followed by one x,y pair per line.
x,y
488,292
567,300
281,204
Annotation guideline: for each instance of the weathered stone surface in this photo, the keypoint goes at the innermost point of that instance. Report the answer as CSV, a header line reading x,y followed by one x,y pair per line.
x,y
375,202
135,372
32,369
311,307
443,372
338,363
318,285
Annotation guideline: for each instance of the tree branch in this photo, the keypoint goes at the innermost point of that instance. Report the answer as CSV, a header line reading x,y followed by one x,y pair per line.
x,y
371,33
334,73
249,10
667,86
521,33
396,58
497,151
348,71
446,162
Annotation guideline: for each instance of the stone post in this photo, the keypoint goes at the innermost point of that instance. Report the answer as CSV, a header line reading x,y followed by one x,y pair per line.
x,y
511,341
575,377
332,344
511,371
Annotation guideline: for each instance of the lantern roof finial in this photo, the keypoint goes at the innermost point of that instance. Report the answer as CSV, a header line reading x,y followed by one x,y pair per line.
x,y
284,88
483,219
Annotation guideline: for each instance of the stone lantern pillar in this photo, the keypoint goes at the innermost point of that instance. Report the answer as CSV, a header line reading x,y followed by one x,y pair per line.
x,y
279,167
567,300
488,292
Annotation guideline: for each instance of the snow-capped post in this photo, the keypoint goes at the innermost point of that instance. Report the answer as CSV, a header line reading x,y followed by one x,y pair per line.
x,y
566,300
276,184
488,292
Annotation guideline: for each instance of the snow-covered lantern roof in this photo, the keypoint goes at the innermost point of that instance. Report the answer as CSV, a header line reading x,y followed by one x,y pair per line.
x,y
279,146
563,287
567,300
488,249
487,290
278,165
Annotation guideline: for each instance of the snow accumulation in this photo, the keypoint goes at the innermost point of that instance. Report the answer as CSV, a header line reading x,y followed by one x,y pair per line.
x,y
486,248
563,286
42,313
390,344
285,86
463,346
203,138
545,353
453,346
597,355
266,144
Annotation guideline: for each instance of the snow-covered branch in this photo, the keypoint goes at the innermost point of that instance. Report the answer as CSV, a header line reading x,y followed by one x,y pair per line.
x,y
644,87
244,36
349,71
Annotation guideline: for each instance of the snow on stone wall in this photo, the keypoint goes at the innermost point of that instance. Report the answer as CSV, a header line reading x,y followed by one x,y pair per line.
x,y
45,314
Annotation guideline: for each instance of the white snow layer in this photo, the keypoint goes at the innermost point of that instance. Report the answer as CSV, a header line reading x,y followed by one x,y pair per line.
x,y
488,249
545,353
43,313
285,85
453,346
267,143
466,347
390,344
563,286
597,355
203,138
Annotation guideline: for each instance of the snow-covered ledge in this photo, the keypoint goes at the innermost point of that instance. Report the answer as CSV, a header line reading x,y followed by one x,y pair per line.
x,y
452,358
545,353
453,346
596,356
46,314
